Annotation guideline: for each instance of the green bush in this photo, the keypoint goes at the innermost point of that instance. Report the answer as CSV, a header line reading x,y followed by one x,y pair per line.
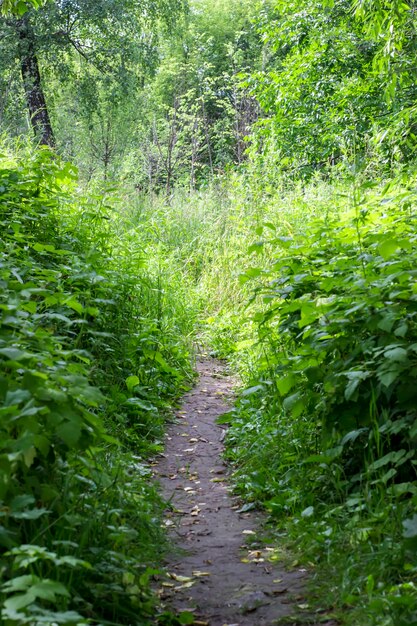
x,y
325,433
88,359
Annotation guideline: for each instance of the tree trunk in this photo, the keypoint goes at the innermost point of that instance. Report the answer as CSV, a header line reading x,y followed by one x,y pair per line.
x,y
35,98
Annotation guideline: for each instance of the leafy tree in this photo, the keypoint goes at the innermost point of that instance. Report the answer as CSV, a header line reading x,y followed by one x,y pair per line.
x,y
19,7
113,37
196,113
317,88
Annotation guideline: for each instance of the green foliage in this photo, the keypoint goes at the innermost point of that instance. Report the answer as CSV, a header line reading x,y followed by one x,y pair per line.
x,y
335,83
195,114
88,351
308,289
324,435
19,7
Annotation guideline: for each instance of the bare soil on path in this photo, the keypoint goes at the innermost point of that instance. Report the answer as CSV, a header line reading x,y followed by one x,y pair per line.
x,y
220,569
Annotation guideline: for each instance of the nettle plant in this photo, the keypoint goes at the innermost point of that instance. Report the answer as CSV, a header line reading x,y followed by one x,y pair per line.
x,y
78,523
339,320
326,433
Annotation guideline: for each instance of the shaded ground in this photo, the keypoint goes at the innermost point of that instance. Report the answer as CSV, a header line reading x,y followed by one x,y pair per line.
x,y
220,571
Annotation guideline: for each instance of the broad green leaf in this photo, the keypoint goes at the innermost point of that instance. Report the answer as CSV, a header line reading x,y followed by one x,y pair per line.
x,y
396,354
73,303
20,601
70,432
355,379
20,583
31,514
392,457
251,390
140,404
285,384
410,527
353,435
131,382
389,377
388,247
295,404
185,618
14,354
225,418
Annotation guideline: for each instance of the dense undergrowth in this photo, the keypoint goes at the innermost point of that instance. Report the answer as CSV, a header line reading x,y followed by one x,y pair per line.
x,y
325,434
294,264
310,293
93,349
307,289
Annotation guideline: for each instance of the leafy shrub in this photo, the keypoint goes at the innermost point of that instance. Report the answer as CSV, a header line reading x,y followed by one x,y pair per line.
x,y
87,354
325,432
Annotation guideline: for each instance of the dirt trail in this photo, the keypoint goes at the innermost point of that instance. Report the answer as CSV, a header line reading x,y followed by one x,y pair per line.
x,y
220,571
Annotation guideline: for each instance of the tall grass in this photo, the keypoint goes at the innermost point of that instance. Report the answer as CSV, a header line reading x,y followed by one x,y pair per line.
x,y
94,348
308,291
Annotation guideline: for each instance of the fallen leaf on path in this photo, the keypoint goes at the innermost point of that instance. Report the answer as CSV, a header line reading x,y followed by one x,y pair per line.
x,y
246,507
218,480
168,584
277,581
200,574
195,511
200,623
248,532
193,440
189,450
185,585
189,522
173,476
255,554
169,522
277,592
179,578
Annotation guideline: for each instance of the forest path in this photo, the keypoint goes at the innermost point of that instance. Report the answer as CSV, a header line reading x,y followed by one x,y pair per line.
x,y
220,570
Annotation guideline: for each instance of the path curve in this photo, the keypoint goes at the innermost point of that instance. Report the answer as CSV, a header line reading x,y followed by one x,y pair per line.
x,y
220,570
